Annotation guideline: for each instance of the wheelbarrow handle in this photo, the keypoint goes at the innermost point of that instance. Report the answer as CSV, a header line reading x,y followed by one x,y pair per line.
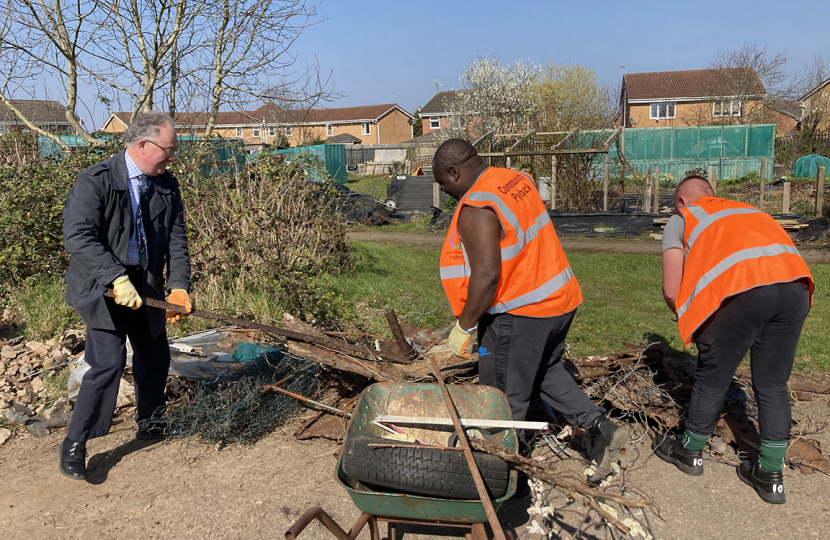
x,y
320,515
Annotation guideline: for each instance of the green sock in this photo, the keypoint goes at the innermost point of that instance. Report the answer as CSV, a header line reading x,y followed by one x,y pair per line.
x,y
694,441
772,454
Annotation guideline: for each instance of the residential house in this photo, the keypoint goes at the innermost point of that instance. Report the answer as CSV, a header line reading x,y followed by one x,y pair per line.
x,y
691,98
816,103
786,114
47,115
435,114
270,125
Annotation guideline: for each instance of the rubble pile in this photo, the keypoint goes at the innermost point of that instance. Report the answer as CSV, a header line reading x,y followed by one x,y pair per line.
x,y
26,367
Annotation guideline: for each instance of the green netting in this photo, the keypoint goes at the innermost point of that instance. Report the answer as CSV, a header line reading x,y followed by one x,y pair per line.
x,y
807,166
699,142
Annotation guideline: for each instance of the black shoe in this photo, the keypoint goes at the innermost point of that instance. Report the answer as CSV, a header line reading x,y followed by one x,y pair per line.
x,y
671,451
150,431
768,485
603,442
73,459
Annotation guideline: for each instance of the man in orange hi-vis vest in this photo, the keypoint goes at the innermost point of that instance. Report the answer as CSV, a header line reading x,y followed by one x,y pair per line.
x,y
506,276
738,285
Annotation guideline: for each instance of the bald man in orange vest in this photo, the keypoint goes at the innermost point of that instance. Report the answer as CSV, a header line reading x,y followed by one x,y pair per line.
x,y
737,284
506,277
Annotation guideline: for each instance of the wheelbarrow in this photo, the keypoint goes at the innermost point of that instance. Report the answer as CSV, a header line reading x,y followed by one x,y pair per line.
x,y
425,401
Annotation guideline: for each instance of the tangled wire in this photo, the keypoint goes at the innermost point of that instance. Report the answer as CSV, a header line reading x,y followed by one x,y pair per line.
x,y
230,409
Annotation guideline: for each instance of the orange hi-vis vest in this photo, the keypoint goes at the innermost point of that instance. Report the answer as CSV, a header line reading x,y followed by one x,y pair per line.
x,y
536,280
730,247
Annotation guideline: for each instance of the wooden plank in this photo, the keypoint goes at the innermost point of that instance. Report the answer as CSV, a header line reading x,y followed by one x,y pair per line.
x,y
762,182
605,186
819,191
786,208
467,422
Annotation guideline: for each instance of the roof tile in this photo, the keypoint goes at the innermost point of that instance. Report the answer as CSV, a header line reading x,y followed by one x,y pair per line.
x,y
695,83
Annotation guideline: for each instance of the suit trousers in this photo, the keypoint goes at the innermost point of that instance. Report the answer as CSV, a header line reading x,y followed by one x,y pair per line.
x,y
106,354
766,322
522,357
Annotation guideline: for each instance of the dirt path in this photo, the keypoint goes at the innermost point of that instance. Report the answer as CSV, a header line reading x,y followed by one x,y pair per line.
x,y
186,489
589,245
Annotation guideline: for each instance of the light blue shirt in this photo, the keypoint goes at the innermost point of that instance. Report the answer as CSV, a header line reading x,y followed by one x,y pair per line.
x,y
133,172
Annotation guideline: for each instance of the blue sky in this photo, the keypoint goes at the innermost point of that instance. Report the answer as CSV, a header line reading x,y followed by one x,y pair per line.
x,y
392,51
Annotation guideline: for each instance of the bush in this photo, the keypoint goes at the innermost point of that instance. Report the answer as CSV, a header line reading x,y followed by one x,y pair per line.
x,y
266,228
32,196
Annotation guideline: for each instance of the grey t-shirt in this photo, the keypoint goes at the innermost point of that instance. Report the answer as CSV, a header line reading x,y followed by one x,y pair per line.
x,y
673,233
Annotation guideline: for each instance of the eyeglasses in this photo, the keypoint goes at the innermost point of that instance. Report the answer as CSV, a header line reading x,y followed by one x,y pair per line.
x,y
169,152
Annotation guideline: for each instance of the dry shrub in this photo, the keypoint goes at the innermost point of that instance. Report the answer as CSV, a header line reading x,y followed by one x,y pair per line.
x,y
263,227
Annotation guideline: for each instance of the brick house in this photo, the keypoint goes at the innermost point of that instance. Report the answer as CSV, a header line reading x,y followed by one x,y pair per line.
x,y
817,102
691,98
435,114
271,126
47,115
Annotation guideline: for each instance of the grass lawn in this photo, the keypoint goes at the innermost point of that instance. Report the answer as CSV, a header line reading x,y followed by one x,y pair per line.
x,y
362,184
622,295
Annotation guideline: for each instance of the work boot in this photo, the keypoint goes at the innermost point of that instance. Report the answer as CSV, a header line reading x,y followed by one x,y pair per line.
x,y
671,451
73,459
149,430
603,442
768,485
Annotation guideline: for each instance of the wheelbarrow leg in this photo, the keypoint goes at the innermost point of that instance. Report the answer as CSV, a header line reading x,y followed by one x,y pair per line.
x,y
320,515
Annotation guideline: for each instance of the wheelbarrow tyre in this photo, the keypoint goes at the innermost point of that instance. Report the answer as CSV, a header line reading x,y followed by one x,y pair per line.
x,y
420,470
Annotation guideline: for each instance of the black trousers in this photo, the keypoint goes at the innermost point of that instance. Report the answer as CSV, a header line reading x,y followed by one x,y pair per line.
x,y
522,357
766,322
106,354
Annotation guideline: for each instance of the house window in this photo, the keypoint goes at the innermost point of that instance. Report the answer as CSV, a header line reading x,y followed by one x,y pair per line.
x,y
288,131
239,132
660,111
256,132
365,129
730,107
434,123
329,130
272,131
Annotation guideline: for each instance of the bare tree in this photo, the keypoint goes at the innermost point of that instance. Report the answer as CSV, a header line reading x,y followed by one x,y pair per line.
x,y
815,99
44,41
494,97
749,76
250,48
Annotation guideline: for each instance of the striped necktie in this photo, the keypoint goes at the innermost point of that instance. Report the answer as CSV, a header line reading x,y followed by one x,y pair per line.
x,y
143,187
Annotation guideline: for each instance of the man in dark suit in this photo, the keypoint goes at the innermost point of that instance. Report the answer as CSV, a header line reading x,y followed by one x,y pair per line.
x,y
123,220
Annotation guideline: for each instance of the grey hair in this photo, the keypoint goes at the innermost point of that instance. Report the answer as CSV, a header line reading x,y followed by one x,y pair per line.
x,y
147,126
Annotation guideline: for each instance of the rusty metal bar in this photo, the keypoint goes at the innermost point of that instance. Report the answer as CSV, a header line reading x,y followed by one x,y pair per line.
x,y
400,339
483,138
495,524
320,341
320,515
530,133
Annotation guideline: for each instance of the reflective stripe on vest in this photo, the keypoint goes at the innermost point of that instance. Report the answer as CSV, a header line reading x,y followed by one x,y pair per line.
x,y
705,219
729,262
537,295
522,237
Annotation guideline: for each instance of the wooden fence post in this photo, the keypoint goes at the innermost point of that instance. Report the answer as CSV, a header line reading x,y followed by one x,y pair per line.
x,y
709,176
553,184
436,195
762,181
656,206
647,197
713,179
819,191
786,208
605,186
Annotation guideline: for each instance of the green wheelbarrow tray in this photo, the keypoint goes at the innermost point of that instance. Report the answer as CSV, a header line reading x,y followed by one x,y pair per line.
x,y
425,400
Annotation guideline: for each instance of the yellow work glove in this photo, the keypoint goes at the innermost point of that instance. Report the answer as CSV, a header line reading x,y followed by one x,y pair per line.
x,y
180,298
125,293
461,341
